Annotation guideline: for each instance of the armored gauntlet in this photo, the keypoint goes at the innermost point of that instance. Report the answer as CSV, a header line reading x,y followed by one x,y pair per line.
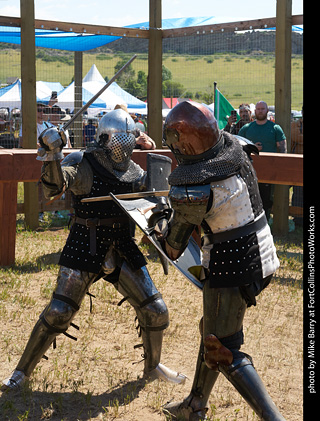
x,y
52,140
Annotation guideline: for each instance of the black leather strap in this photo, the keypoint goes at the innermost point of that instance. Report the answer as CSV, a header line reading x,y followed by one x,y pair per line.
x,y
92,223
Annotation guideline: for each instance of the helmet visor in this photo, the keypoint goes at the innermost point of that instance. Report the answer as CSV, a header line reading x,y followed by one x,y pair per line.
x,y
170,137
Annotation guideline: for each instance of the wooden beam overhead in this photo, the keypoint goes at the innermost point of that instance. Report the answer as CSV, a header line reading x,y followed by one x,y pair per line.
x,y
227,27
144,33
80,28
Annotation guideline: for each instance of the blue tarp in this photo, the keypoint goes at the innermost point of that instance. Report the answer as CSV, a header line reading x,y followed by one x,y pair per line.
x,y
71,41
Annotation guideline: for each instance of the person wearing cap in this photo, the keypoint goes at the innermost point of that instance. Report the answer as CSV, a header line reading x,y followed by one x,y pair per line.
x,y
40,122
245,117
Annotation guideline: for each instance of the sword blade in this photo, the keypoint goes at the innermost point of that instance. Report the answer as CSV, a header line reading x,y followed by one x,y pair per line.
x,y
137,195
87,105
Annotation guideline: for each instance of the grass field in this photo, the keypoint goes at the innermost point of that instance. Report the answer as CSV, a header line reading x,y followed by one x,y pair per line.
x,y
98,377
240,78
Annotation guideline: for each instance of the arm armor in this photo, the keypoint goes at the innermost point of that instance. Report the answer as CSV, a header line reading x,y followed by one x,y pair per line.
x,y
52,178
179,235
140,184
56,176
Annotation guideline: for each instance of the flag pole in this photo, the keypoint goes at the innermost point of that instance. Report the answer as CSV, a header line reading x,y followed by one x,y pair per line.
x,y
216,109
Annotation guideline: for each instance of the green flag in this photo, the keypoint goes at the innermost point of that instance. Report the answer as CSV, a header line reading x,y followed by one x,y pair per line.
x,y
222,109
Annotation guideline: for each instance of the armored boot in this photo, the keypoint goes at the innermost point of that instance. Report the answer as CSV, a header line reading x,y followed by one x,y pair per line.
x,y
54,320
242,375
153,369
194,407
40,340
139,290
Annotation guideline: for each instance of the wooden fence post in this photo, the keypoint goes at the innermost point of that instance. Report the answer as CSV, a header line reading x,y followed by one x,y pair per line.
x,y
29,104
155,73
283,106
8,209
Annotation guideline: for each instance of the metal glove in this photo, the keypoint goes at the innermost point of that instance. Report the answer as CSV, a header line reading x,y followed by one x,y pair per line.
x,y
52,140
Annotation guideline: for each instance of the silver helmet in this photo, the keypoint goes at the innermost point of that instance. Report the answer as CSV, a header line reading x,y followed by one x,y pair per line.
x,y
116,134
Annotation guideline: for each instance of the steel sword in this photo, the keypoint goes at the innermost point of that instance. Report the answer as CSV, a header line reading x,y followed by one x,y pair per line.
x,y
136,195
87,105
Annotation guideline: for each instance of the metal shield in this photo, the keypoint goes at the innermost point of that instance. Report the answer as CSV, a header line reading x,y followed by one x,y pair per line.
x,y
158,171
139,210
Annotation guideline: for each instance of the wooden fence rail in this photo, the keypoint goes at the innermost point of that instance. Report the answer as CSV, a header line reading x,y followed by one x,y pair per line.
x,y
20,165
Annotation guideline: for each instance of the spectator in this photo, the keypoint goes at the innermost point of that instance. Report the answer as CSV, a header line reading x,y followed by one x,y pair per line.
x,y
245,117
297,135
41,125
63,121
122,107
268,137
297,147
89,132
143,141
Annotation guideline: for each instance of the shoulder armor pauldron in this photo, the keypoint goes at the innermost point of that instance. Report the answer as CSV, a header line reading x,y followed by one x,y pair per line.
x,y
72,159
248,146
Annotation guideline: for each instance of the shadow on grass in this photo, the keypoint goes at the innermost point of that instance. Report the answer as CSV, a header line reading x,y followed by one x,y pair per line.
x,y
68,406
41,263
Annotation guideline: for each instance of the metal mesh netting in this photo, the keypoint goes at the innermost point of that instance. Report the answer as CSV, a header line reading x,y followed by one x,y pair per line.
x,y
241,63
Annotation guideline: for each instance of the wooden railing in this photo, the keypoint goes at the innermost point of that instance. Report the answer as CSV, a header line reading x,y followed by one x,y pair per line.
x,y
20,165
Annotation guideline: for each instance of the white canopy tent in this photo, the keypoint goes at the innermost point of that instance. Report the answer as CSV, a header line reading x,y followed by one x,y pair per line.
x,y
10,96
91,85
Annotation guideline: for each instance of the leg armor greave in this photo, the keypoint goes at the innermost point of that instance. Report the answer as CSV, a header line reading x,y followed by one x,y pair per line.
x,y
242,375
152,313
55,319
224,310
195,405
153,317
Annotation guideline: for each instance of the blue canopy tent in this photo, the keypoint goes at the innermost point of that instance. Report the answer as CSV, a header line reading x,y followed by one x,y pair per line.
x,y
72,41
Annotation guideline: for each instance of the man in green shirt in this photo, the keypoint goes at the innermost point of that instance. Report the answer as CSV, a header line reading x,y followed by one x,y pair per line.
x,y
268,137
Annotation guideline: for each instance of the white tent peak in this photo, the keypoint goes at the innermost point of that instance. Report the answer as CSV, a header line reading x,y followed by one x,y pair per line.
x,y
93,75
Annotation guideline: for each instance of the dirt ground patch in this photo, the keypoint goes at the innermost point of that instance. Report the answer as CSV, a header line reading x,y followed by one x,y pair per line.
x,y
98,377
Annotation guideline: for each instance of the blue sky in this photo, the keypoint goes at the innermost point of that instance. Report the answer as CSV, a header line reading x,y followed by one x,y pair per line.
x,y
125,12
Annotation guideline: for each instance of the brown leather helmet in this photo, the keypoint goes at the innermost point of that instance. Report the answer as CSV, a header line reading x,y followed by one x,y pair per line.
x,y
190,129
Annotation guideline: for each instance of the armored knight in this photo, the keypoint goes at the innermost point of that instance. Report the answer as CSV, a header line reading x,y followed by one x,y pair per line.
x,y
100,243
215,186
